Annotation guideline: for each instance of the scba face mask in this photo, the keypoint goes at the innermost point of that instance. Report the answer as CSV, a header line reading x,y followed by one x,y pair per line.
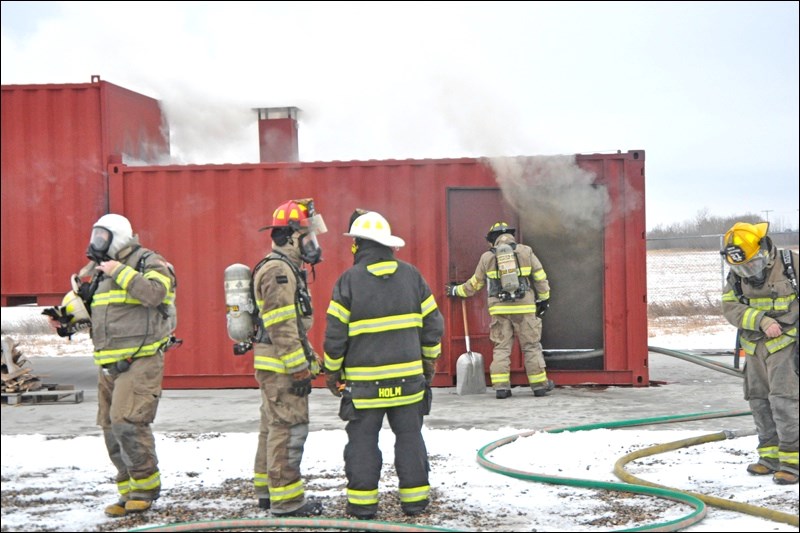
x,y
753,269
310,250
99,244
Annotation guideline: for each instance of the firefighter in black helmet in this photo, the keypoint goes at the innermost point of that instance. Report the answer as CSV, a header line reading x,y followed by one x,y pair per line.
x,y
519,295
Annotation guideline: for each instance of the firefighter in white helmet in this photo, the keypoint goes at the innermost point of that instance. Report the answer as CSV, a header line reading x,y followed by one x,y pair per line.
x,y
132,306
515,307
285,362
760,299
382,339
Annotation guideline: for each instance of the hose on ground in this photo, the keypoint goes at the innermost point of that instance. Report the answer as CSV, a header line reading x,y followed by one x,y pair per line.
x,y
702,361
292,524
731,505
674,525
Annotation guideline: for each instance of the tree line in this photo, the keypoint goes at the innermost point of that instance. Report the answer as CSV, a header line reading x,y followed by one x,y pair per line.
x,y
705,230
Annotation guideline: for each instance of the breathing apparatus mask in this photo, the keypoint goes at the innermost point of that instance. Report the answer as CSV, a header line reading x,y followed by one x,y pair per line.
x,y
310,250
99,244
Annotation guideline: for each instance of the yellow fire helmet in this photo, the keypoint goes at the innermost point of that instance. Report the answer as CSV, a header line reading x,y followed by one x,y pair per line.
x,y
74,306
743,241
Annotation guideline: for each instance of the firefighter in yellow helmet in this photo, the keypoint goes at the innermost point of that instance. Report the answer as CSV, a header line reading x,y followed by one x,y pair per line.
x,y
285,363
131,300
382,339
760,299
519,295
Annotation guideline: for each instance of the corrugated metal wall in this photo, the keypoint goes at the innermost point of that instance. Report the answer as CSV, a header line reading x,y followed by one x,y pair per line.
x,y
56,141
204,218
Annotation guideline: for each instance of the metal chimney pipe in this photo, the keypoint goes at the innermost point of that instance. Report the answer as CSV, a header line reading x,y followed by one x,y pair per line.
x,y
277,134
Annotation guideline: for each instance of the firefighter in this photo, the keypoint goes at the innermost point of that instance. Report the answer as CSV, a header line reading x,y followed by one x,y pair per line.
x,y
382,339
285,363
760,300
131,297
519,295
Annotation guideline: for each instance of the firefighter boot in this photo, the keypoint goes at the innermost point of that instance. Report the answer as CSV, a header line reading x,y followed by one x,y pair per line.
x,y
541,389
263,503
116,510
310,508
137,506
784,477
361,512
761,469
502,394
413,509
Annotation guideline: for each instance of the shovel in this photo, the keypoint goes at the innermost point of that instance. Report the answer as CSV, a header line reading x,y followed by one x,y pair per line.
x,y
470,377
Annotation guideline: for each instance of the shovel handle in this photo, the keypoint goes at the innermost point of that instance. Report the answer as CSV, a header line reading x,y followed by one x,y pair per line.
x,y
466,328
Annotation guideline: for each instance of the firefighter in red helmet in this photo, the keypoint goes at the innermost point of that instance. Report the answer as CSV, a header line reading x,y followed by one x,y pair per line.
x,y
285,363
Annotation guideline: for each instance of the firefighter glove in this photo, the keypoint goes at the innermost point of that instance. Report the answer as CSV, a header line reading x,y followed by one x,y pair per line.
x,y
541,307
301,387
428,369
301,383
332,380
450,290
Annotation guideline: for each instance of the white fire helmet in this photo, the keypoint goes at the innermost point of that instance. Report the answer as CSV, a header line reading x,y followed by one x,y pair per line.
x,y
372,226
110,234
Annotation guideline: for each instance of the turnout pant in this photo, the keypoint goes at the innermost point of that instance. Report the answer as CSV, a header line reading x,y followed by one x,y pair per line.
x,y
363,458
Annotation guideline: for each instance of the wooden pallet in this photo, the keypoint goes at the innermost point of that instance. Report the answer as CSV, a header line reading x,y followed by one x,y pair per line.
x,y
49,393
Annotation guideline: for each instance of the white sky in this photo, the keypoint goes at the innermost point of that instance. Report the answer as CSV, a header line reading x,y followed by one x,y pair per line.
x,y
708,89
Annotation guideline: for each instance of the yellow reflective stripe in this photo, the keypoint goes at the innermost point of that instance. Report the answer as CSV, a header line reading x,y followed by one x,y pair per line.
x,y
475,283
505,309
337,310
773,345
333,364
461,291
500,378
432,352
287,492
748,347
102,357
428,305
525,272
149,483
384,268
749,319
362,497
123,487
260,480
415,494
729,296
768,304
382,403
544,295
113,297
293,359
262,362
371,373
125,276
493,274
539,275
788,458
276,316
537,378
386,323
158,276
768,452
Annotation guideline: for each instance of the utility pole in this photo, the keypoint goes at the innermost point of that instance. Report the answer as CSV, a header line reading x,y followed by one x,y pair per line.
x,y
767,212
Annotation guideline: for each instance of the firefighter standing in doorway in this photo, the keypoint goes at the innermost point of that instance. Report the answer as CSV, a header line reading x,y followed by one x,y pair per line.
x,y
519,295
382,339
760,299
132,302
285,362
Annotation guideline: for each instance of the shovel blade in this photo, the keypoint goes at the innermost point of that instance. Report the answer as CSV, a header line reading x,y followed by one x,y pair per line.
x,y
470,377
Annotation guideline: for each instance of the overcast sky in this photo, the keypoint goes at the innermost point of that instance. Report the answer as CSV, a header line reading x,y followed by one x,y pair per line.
x,y
708,89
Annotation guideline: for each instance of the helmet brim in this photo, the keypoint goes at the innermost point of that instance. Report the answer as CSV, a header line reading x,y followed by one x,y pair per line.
x,y
391,241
